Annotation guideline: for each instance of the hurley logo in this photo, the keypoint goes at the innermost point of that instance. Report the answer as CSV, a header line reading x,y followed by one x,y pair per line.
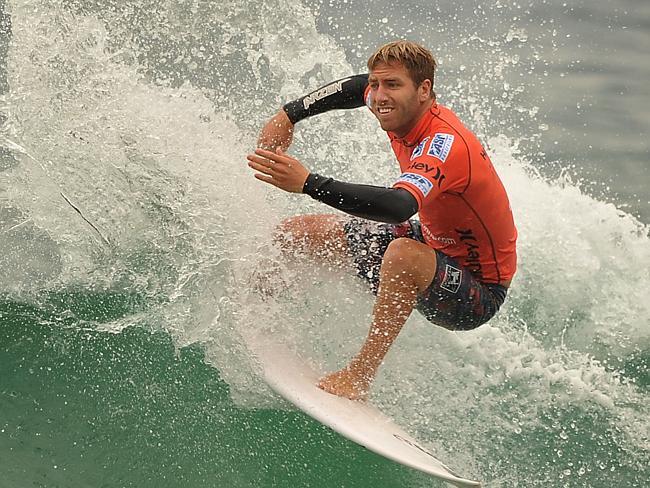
x,y
473,260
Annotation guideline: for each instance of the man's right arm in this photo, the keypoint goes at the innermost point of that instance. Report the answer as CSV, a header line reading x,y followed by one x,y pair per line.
x,y
340,94
345,93
276,133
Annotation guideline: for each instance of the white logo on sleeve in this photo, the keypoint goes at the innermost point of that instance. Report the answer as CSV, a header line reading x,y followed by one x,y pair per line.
x,y
440,146
418,181
419,149
324,92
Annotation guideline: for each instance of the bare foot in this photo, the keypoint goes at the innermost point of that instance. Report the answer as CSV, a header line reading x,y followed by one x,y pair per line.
x,y
345,383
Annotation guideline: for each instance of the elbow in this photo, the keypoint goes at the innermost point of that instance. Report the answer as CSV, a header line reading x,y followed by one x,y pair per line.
x,y
399,217
404,210
398,214
404,207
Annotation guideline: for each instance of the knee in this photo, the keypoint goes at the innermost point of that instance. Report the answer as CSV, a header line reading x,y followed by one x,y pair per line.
x,y
291,225
300,227
410,257
292,229
400,253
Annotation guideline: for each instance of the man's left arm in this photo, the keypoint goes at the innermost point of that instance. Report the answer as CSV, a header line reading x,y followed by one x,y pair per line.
x,y
391,205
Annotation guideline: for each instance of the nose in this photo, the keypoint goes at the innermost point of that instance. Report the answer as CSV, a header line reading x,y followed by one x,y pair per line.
x,y
380,95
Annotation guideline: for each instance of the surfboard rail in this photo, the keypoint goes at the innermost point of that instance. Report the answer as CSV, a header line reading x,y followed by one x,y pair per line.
x,y
359,422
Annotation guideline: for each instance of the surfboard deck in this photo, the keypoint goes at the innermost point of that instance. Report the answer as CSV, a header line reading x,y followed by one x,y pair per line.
x,y
293,379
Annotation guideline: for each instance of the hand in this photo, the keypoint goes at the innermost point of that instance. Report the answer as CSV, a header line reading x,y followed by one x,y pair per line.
x,y
277,133
279,170
346,383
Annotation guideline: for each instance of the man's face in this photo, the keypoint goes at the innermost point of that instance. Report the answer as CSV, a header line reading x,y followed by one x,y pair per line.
x,y
397,102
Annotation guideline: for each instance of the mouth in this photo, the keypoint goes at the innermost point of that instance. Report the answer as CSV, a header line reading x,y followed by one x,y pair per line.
x,y
384,110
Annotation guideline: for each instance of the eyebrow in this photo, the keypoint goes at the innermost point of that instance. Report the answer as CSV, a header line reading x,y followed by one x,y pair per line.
x,y
374,78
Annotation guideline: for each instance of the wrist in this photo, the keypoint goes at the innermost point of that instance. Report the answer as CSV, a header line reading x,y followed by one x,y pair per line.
x,y
314,185
284,117
310,183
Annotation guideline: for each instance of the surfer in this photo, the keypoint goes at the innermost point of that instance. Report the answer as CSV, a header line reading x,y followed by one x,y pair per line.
x,y
454,264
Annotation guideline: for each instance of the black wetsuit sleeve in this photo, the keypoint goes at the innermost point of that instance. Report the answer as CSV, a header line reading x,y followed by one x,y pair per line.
x,y
391,205
340,94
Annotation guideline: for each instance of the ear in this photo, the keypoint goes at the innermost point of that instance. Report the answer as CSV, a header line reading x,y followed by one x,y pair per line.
x,y
424,90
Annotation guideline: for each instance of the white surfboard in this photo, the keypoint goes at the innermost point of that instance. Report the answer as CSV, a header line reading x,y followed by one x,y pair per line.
x,y
292,378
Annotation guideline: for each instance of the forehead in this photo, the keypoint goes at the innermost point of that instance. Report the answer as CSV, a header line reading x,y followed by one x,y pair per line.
x,y
392,70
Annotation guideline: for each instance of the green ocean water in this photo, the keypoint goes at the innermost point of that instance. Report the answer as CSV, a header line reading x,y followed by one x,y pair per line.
x,y
88,408
131,233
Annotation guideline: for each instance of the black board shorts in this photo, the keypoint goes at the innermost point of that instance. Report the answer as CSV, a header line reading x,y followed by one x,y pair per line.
x,y
455,299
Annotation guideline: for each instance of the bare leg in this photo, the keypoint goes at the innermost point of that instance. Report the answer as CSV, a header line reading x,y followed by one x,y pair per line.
x,y
318,236
408,267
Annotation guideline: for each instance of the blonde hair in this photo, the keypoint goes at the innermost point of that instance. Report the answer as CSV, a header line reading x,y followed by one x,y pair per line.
x,y
417,60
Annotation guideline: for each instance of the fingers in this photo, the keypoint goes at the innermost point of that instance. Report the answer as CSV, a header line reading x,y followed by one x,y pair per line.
x,y
261,166
267,179
266,166
278,156
278,169
269,162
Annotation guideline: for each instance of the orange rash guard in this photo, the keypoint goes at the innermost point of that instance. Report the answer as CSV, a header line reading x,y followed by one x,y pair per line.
x,y
462,204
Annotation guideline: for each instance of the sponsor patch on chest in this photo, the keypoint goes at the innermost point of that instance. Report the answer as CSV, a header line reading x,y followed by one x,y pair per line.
x,y
419,149
440,146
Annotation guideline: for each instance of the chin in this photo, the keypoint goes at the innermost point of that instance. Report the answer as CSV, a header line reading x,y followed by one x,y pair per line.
x,y
386,127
